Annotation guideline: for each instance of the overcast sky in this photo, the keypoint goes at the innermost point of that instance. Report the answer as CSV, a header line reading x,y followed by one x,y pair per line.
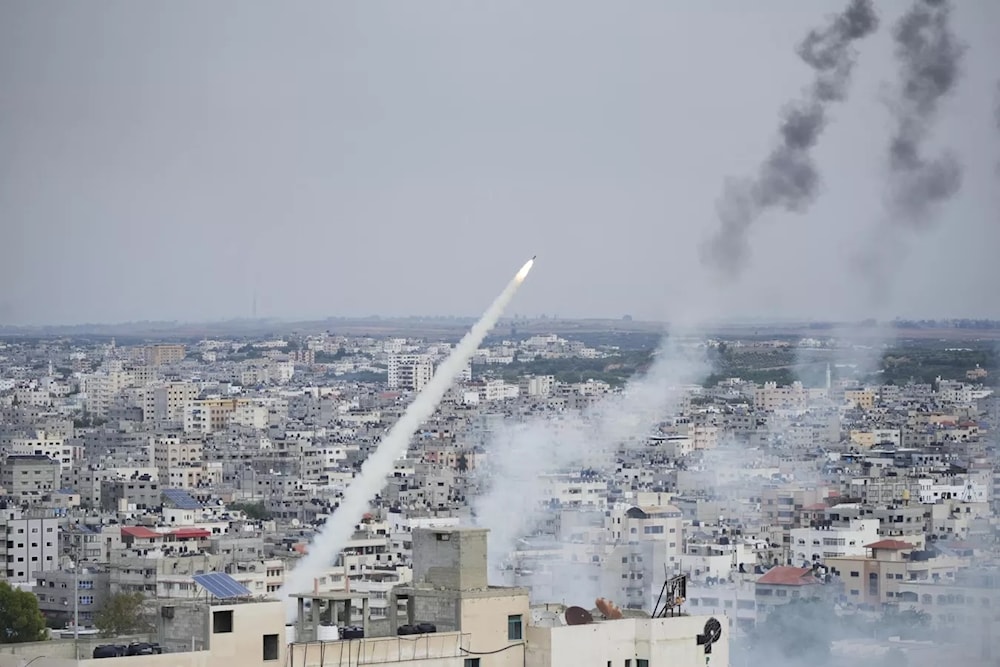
x,y
167,160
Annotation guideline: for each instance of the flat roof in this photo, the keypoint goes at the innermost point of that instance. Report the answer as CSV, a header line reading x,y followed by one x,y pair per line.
x,y
331,596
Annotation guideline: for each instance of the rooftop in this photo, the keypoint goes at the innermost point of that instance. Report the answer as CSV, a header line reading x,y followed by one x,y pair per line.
x,y
785,575
890,545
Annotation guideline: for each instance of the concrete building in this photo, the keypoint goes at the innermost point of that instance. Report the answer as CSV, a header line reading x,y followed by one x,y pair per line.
x,y
140,492
409,371
55,590
641,642
780,585
159,355
165,402
29,476
875,579
31,544
824,539
211,414
44,444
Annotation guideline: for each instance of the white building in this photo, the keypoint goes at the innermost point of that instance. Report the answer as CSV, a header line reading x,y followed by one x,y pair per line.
x,y
575,491
44,444
537,385
825,540
32,544
642,642
963,491
409,371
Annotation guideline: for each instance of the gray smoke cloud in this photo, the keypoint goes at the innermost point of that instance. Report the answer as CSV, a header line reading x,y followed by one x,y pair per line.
x,y
788,178
930,58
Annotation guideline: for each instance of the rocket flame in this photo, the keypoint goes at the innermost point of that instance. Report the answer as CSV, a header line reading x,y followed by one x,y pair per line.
x,y
523,273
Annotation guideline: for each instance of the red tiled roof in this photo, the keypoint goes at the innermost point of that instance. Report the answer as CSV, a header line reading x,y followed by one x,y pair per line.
x,y
140,532
185,533
890,545
786,575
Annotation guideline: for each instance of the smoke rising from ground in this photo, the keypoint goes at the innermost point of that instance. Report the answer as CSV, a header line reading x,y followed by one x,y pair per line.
x,y
339,528
930,58
788,178
512,505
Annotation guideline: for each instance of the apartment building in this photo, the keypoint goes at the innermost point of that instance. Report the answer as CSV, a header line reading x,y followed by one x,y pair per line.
x,y
826,539
31,544
165,402
55,591
29,477
784,583
161,355
771,397
874,579
409,371
137,492
47,444
209,415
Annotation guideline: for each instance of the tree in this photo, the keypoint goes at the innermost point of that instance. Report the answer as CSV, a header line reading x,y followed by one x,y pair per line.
x,y
255,511
20,618
124,614
907,623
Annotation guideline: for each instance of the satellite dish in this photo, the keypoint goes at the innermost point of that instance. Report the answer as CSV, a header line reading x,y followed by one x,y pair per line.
x,y
578,616
608,609
711,634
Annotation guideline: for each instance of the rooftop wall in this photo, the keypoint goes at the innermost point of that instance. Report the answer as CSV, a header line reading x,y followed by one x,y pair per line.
x,y
450,558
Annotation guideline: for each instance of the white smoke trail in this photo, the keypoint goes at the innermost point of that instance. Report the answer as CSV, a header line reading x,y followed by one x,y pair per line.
x,y
559,442
339,528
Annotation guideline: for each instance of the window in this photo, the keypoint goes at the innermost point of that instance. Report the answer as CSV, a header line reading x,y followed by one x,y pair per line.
x,y
641,662
222,622
471,662
514,628
270,647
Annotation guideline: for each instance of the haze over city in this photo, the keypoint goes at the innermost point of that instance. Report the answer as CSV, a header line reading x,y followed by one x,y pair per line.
x,y
738,406
204,161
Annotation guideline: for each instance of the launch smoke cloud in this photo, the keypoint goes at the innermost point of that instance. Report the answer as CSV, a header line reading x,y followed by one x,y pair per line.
x,y
930,58
519,454
338,529
788,178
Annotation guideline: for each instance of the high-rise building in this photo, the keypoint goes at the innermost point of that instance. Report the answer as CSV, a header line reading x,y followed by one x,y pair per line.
x,y
409,371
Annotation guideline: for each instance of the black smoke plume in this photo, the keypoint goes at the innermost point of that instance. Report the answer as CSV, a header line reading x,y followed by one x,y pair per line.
x,y
788,177
930,58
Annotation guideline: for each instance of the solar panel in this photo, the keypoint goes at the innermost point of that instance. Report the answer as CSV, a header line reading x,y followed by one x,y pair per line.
x,y
221,585
181,499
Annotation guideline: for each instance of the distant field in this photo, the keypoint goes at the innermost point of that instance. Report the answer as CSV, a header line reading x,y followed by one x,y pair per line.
x,y
637,334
